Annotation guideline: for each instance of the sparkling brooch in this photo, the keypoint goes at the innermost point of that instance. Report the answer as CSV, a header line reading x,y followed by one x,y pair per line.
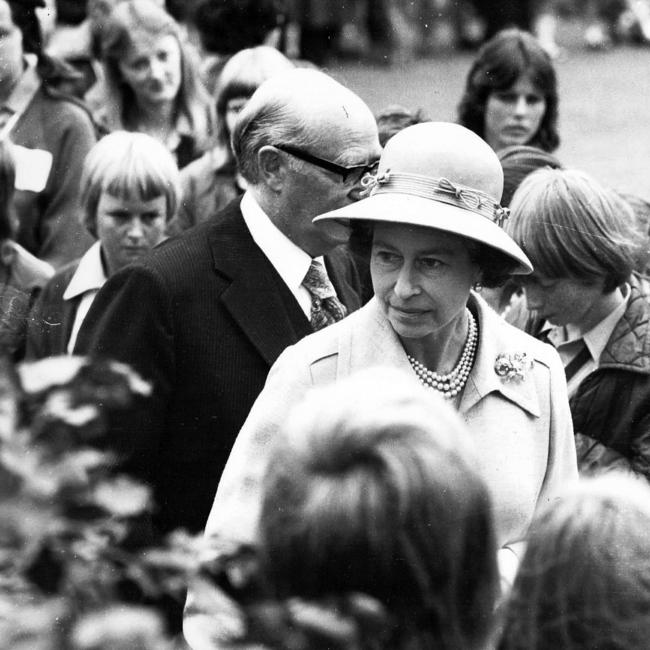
x,y
513,366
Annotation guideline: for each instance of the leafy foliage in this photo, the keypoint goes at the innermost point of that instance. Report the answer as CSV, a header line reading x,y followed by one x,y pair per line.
x,y
71,576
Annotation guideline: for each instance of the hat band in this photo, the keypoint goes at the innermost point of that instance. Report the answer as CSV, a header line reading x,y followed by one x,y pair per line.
x,y
437,189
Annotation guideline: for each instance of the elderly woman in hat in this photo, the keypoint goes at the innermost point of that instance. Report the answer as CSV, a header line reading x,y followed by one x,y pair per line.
x,y
436,231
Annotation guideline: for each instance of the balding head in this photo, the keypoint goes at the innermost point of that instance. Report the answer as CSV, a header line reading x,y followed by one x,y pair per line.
x,y
304,108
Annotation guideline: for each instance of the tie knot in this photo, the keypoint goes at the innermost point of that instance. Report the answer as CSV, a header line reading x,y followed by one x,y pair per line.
x,y
317,282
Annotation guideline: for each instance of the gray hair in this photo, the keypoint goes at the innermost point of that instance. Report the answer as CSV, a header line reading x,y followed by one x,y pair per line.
x,y
269,123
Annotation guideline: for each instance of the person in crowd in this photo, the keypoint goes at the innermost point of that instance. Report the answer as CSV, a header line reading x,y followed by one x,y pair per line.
x,y
368,491
129,190
76,39
511,94
435,218
53,133
21,274
584,299
517,162
206,314
372,489
225,27
583,582
151,83
212,181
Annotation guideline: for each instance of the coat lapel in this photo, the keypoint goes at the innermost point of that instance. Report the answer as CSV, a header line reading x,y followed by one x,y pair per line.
x,y
494,340
257,298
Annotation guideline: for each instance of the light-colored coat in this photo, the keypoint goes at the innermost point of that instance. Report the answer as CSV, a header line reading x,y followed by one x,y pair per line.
x,y
521,428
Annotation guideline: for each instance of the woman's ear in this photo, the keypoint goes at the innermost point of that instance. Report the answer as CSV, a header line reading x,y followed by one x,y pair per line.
x,y
273,167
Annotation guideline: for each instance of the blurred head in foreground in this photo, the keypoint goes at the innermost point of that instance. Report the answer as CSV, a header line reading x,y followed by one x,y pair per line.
x,y
370,490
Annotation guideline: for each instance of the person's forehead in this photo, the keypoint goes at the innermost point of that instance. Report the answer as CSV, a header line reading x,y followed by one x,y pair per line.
x,y
5,14
144,42
419,237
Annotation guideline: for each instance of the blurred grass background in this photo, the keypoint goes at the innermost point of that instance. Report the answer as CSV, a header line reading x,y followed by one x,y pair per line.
x,y
604,102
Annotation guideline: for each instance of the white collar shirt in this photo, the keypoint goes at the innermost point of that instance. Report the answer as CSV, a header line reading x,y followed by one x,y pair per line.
x,y
567,340
289,260
85,283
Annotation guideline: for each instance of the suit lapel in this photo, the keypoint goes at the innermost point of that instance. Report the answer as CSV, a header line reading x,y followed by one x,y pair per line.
x,y
257,298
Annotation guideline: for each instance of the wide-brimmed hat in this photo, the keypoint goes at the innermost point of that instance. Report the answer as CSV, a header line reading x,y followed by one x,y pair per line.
x,y
443,176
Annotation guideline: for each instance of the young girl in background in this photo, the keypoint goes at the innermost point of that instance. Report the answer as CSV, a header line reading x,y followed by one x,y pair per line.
x,y
129,190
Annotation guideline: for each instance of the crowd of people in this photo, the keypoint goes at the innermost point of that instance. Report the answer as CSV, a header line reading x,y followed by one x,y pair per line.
x,y
402,359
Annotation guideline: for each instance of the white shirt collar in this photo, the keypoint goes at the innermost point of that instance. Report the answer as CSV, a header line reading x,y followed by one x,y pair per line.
x,y
289,260
89,275
597,337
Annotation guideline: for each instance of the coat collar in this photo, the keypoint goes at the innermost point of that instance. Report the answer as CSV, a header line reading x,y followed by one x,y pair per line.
x,y
372,341
628,347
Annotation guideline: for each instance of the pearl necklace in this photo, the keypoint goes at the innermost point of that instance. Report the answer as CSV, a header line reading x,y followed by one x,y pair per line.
x,y
452,383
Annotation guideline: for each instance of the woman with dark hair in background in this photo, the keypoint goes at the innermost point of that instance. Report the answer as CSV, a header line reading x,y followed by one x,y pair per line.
x,y
510,94
151,81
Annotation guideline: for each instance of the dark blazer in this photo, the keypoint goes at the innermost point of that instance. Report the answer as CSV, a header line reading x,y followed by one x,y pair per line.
x,y
203,318
51,319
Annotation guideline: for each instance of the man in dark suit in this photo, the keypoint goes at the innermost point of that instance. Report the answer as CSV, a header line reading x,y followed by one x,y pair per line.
x,y
206,314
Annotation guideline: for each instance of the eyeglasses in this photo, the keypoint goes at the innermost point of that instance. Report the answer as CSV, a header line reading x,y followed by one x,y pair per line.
x,y
353,174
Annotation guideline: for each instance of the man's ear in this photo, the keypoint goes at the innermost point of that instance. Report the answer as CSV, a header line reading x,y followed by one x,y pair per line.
x,y
272,166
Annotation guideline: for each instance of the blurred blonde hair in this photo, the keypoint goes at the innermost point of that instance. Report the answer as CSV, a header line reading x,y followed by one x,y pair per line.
x,y
570,226
128,165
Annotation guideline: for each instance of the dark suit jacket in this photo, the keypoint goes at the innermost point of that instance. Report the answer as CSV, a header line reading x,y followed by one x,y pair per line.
x,y
51,319
203,318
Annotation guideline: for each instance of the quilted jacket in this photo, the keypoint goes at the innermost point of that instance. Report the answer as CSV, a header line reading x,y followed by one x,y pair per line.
x,y
611,406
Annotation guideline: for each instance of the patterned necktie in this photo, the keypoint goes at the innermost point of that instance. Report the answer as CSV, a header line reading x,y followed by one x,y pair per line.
x,y
325,306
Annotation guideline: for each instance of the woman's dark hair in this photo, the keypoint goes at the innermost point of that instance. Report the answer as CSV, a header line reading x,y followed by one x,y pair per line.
x,y
518,162
498,65
228,26
369,490
125,20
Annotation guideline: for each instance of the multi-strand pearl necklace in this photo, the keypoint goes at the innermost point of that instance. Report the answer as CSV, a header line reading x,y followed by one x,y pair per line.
x,y
452,383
